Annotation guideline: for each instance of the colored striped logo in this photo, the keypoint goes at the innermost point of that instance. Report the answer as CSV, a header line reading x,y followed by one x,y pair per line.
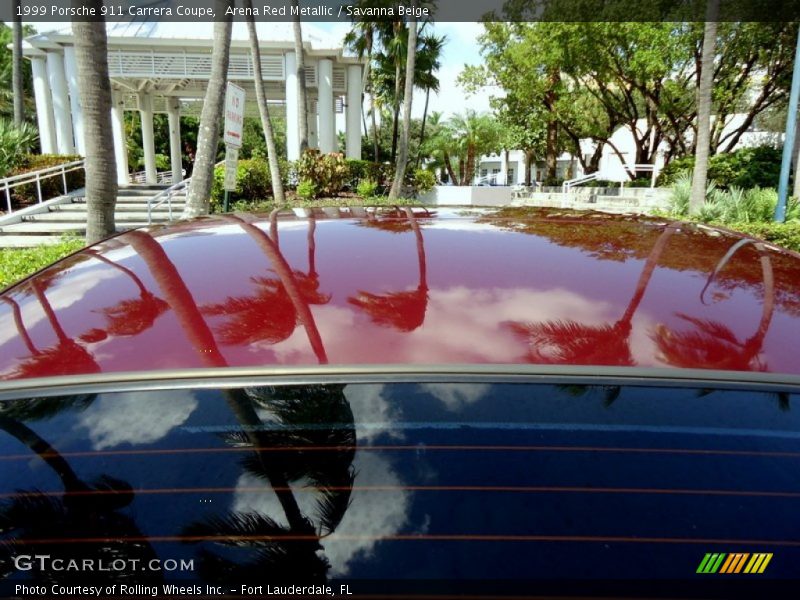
x,y
736,562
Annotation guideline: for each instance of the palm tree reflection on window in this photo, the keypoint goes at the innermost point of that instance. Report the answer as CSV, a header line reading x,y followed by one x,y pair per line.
x,y
47,523
404,311
312,428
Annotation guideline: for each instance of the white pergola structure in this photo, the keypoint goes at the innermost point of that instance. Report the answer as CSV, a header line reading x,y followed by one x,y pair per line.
x,y
165,67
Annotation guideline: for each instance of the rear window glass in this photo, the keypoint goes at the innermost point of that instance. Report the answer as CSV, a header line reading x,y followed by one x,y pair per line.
x,y
420,485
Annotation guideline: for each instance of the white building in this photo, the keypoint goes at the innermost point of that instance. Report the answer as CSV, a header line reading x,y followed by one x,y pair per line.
x,y
492,167
164,67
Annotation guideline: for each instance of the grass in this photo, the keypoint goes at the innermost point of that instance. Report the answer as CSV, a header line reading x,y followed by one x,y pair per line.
x,y
260,206
18,263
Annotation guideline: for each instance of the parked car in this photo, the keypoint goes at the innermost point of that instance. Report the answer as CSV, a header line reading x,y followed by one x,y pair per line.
x,y
481,402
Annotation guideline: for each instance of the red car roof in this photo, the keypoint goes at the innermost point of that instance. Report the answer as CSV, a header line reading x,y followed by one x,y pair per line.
x,y
491,286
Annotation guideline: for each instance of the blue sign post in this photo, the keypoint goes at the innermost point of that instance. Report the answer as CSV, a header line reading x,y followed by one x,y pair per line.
x,y
788,139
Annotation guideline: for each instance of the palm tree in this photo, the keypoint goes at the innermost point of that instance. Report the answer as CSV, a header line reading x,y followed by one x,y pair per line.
x,y
428,63
361,40
16,66
302,96
704,92
402,159
263,109
91,55
197,200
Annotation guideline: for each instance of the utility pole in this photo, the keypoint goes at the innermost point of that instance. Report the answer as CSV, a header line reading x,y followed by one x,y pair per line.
x,y
788,140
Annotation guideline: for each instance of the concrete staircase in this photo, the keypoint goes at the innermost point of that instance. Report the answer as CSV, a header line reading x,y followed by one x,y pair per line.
x,y
48,227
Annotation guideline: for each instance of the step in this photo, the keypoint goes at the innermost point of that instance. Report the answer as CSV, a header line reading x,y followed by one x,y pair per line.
x,y
80,217
80,207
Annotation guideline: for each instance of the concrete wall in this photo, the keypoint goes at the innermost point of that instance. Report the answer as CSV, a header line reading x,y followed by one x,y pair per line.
x,y
452,195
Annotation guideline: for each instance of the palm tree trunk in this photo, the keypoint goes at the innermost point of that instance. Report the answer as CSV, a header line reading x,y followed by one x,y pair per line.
x,y
402,159
263,109
197,200
704,90
422,127
91,54
395,121
302,99
16,66
449,167
375,145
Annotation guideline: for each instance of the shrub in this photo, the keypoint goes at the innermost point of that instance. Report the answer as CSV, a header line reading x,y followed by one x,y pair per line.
x,y
424,181
735,205
358,170
745,168
307,189
328,172
367,188
253,182
780,234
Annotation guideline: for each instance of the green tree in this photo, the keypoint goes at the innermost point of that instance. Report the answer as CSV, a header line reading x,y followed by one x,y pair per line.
x,y
462,140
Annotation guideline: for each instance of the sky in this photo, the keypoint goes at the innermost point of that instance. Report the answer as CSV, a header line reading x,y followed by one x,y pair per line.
x,y
460,49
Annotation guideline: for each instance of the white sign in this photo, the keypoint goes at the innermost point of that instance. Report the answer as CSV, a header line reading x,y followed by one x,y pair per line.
x,y
234,115
231,162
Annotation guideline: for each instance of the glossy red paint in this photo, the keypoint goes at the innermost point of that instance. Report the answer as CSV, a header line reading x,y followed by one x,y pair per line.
x,y
510,286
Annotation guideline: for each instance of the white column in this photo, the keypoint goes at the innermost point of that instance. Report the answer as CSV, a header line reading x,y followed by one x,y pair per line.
x,y
292,129
174,116
118,131
71,73
502,178
44,105
313,139
148,140
353,122
61,107
327,122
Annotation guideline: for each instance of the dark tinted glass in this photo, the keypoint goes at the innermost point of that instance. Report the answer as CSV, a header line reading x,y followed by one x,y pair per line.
x,y
570,487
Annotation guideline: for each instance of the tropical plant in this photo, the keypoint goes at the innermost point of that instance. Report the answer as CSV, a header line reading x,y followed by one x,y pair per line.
x,y
366,188
307,189
197,200
328,172
91,55
15,142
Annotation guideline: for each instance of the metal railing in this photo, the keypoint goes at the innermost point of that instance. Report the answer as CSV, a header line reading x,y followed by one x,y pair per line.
x,y
37,177
167,195
630,169
161,177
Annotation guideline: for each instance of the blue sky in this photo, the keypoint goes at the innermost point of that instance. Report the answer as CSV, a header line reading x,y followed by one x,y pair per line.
x,y
461,49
